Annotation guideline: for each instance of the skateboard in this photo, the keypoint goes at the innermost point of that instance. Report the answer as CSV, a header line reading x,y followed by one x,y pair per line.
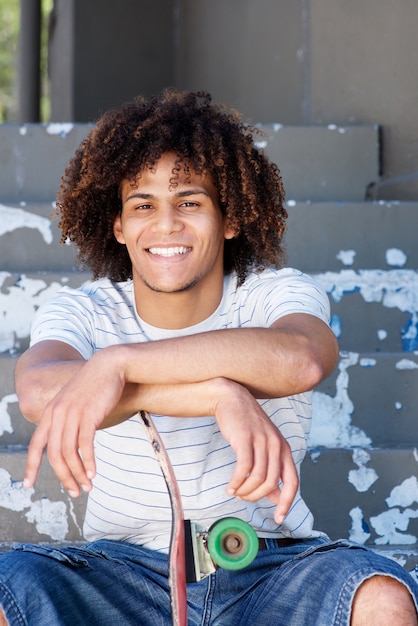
x,y
196,552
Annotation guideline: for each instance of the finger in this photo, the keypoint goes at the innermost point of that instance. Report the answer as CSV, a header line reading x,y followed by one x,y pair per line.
x,y
59,452
265,474
243,467
36,449
285,494
63,452
261,477
86,448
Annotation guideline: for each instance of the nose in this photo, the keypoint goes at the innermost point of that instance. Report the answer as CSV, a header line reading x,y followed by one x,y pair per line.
x,y
167,220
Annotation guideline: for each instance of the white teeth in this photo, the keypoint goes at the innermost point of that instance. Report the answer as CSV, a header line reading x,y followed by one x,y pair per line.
x,y
169,251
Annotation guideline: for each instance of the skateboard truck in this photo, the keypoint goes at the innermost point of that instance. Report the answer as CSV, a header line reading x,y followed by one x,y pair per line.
x,y
229,543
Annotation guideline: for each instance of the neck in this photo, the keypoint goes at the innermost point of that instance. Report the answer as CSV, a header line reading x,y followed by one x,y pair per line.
x,y
176,310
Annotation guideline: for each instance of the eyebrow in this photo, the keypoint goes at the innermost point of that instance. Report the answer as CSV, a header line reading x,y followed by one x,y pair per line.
x,y
179,194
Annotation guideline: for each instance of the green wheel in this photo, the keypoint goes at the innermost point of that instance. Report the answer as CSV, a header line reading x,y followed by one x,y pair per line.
x,y
232,543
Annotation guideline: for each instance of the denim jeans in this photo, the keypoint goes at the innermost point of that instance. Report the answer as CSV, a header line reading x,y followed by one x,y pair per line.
x,y
109,583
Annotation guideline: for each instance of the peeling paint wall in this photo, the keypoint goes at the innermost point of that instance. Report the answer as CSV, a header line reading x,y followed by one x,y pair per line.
x,y
337,419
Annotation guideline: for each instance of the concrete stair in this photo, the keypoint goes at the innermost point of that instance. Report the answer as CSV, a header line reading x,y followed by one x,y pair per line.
x,y
360,475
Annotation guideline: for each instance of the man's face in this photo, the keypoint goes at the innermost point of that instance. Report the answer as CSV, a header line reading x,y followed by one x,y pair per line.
x,y
174,234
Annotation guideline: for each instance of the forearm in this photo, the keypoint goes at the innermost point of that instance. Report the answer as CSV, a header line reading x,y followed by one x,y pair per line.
x,y
37,386
269,362
184,400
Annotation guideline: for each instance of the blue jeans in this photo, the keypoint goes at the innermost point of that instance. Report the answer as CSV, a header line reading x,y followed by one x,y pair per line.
x,y
108,583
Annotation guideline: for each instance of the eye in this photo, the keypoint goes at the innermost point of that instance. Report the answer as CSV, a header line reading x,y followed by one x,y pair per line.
x,y
189,204
143,207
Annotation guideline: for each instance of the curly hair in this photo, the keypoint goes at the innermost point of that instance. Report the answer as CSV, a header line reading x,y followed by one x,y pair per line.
x,y
207,138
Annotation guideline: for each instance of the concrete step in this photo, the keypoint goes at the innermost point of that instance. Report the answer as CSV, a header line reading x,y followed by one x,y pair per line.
x,y
369,400
20,296
317,162
15,431
43,514
367,495
33,158
356,235
321,163
30,239
373,310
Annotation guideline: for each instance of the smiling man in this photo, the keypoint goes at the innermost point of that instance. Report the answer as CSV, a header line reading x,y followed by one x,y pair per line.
x,y
192,317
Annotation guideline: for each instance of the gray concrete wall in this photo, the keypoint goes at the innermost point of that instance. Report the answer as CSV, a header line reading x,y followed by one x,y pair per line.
x,y
288,61
104,52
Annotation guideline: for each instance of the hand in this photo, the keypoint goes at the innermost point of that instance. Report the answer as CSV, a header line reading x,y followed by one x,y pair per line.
x,y
69,422
264,458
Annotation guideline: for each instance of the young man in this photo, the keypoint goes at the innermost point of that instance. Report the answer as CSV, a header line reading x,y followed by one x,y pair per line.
x,y
190,317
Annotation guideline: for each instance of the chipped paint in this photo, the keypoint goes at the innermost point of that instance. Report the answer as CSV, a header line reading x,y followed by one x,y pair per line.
x,y
388,524
405,494
367,362
5,419
364,477
406,364
382,334
395,257
49,518
346,256
331,422
62,129
12,494
18,303
73,516
392,288
359,531
336,325
12,218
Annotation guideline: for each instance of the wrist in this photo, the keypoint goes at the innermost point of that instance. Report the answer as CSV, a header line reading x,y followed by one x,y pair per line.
x,y
225,390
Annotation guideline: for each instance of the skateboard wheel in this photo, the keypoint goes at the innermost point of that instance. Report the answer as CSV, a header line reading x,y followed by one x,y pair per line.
x,y
232,543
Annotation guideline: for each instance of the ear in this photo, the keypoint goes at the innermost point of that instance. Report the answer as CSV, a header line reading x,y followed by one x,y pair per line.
x,y
117,230
229,232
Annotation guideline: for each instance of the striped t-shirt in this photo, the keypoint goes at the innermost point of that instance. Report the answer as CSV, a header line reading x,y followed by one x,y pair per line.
x,y
129,499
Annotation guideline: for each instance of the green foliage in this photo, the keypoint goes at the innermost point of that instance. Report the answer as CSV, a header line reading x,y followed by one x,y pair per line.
x,y
9,43
9,29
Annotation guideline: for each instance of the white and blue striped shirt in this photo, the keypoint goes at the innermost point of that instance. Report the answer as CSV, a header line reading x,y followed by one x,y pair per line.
x,y
129,500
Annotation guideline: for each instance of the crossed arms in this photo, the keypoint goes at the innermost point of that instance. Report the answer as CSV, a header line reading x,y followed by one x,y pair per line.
x,y
216,373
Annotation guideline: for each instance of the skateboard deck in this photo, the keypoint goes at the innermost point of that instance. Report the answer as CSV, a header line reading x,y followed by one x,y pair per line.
x,y
177,554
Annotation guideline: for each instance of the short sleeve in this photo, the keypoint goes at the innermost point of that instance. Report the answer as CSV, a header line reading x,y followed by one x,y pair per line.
x,y
272,294
67,317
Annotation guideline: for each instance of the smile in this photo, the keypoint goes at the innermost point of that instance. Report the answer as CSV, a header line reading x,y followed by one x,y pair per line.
x,y
167,252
